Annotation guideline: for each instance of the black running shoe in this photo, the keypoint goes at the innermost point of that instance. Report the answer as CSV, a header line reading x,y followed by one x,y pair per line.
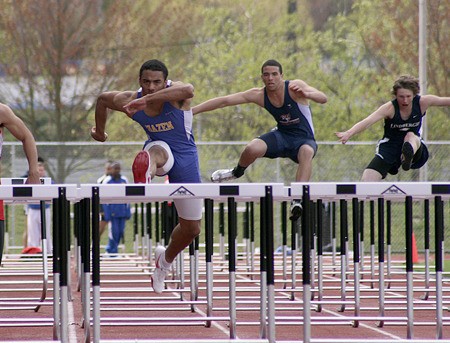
x,y
296,209
407,156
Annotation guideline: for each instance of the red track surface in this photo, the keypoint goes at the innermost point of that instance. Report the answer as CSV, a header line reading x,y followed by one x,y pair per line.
x,y
126,295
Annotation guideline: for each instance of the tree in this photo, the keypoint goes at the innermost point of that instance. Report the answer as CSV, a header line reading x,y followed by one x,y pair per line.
x,y
59,54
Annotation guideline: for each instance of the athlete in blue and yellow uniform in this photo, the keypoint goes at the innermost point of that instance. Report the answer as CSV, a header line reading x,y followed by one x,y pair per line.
x,y
162,108
288,102
401,144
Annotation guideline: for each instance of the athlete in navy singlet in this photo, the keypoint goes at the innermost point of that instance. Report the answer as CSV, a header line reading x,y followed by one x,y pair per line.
x,y
163,110
401,144
288,102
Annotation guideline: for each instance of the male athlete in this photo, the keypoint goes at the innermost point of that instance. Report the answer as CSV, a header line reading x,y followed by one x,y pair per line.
x,y
288,103
401,144
162,108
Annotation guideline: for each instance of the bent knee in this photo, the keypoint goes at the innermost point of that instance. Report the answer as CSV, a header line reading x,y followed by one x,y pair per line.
x,y
257,147
306,152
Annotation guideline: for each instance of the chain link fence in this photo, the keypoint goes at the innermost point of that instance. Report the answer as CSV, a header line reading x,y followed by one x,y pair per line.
x,y
82,163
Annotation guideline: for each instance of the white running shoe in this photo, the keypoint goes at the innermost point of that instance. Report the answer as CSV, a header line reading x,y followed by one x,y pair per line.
x,y
159,274
222,175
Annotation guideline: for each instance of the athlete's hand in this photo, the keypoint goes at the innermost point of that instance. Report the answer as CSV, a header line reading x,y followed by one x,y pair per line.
x,y
98,136
343,136
135,105
33,177
297,88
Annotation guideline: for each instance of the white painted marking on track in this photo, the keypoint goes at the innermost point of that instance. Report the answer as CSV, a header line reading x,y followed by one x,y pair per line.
x,y
360,324
72,331
222,328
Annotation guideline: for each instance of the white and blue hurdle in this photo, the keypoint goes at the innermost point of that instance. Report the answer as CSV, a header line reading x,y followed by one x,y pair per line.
x,y
87,213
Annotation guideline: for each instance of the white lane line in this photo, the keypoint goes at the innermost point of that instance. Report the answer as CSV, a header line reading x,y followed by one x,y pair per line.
x,y
72,324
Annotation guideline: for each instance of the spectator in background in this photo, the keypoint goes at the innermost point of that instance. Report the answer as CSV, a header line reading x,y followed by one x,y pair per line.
x,y
33,213
117,214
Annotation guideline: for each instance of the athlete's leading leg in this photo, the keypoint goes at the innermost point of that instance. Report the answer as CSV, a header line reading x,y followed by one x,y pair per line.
x,y
410,146
155,159
371,175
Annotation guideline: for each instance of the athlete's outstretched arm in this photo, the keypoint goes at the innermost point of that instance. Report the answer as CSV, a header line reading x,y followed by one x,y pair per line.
x,y
382,112
177,92
248,96
303,90
108,100
18,129
433,100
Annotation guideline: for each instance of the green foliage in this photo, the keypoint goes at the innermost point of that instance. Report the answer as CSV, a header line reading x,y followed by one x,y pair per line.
x,y
353,55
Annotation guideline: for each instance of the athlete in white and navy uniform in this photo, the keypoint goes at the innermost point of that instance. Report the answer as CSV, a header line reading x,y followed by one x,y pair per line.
x,y
163,110
288,102
401,144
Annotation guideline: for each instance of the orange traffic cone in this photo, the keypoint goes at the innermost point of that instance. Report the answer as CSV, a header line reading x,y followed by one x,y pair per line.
x,y
415,252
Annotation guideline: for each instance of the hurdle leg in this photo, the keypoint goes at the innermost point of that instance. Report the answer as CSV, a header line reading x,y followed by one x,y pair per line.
x,y
263,271
372,242
355,212
268,215
232,230
95,264
381,285
343,231
426,222
319,255
44,255
306,232
439,247
388,242
409,267
209,251
293,257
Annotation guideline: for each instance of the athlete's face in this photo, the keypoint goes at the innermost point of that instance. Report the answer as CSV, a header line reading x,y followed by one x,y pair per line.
x,y
152,81
404,97
271,77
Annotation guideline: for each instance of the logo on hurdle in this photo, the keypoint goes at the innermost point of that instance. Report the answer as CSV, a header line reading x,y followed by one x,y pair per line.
x,y
182,191
393,190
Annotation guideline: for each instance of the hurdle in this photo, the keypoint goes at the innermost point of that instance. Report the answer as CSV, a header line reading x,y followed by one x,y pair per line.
x,y
403,192
19,193
89,196
171,191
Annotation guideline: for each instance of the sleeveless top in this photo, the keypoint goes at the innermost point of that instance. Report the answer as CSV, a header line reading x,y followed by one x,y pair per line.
x,y
397,128
173,126
291,117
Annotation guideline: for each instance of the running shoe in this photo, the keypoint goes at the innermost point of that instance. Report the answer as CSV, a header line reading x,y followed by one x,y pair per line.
x,y
159,274
296,209
141,167
407,156
222,175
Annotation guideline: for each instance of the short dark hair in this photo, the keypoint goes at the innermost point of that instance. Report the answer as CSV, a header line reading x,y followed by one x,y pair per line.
x,y
40,160
272,63
154,65
406,82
